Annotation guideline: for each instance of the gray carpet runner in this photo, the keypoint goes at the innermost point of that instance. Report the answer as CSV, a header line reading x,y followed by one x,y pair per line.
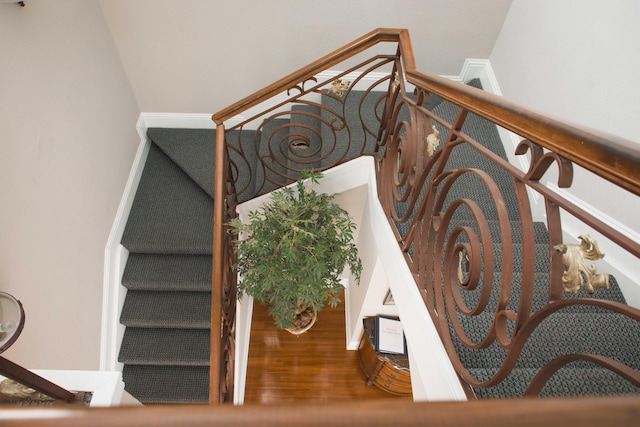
x,y
165,349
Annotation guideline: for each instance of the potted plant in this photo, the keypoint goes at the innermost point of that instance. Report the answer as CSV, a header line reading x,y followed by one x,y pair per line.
x,y
293,252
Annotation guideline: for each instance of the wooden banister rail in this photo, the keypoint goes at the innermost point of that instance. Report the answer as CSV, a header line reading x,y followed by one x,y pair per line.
x,y
23,376
216,357
586,412
611,157
359,45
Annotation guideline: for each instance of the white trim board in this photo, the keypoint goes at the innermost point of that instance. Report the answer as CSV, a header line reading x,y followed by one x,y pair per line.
x,y
115,259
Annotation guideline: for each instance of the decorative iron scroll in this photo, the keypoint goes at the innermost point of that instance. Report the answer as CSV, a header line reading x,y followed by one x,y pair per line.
x,y
319,125
462,215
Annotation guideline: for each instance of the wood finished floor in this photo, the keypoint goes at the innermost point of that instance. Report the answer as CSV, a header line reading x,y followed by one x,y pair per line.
x,y
312,367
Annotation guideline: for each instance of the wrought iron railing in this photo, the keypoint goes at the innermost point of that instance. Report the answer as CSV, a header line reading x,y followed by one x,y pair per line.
x,y
470,236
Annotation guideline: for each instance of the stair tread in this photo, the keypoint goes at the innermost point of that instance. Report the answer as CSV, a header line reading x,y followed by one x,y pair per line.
x,y
540,293
170,213
168,272
167,384
606,334
273,141
193,150
167,309
166,347
568,381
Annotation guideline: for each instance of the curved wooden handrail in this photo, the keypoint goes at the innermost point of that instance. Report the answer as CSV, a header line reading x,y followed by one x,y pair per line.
x,y
614,411
614,158
368,40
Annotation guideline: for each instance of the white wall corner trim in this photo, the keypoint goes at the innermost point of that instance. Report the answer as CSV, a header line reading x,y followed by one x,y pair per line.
x,y
115,259
176,120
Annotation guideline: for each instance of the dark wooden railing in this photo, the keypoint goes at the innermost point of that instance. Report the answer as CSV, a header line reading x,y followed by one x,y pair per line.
x,y
445,255
585,412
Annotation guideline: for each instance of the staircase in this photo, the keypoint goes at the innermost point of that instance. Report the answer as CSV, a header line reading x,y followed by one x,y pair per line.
x,y
168,274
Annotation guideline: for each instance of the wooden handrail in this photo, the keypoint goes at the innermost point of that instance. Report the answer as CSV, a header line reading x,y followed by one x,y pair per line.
x,y
614,158
217,272
611,157
23,376
587,412
363,43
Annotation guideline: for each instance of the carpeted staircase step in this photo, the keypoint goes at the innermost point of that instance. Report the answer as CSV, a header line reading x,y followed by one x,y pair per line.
x,y
193,150
153,309
606,334
163,384
469,186
541,293
541,256
568,381
170,214
165,346
539,229
168,272
363,135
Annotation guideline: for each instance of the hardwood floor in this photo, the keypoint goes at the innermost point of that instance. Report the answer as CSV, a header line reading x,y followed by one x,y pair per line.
x,y
312,367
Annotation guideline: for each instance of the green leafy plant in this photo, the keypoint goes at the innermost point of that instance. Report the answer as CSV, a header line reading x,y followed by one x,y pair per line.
x,y
294,251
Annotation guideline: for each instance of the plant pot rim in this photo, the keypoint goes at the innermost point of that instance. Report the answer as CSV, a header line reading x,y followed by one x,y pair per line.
x,y
299,331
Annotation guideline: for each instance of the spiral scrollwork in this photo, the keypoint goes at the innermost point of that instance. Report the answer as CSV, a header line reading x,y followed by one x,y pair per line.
x,y
540,163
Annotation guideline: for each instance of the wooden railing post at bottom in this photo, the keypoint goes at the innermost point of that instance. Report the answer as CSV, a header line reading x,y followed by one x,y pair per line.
x,y
217,273
586,412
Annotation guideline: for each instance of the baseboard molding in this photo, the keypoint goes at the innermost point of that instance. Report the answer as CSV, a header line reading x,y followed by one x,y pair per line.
x,y
176,120
115,260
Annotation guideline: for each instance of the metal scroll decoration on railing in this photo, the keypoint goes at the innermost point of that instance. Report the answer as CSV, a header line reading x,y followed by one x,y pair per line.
x,y
470,238
270,149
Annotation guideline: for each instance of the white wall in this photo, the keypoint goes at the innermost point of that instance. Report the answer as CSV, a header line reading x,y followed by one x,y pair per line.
x,y
578,60
199,56
67,140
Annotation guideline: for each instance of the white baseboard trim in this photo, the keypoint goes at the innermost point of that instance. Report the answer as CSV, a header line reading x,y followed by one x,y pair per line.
x,y
176,120
115,260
